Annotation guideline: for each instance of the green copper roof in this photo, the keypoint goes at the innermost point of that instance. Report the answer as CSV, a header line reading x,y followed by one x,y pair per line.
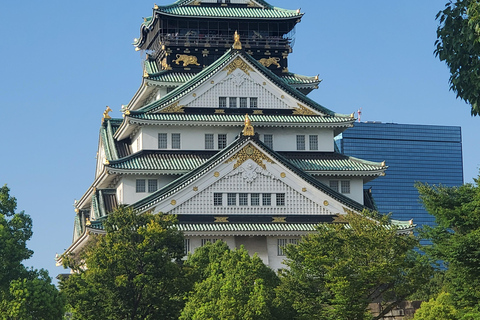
x,y
229,56
171,161
238,119
323,161
229,12
247,227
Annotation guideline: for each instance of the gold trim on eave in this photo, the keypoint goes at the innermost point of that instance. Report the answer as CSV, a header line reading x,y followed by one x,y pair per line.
x,y
304,111
174,108
249,152
238,63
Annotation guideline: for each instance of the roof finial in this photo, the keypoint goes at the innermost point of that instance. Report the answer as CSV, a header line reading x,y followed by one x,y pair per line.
x,y
237,45
105,114
248,130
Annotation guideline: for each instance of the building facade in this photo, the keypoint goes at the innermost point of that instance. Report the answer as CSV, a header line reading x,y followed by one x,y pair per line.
x,y
414,153
221,134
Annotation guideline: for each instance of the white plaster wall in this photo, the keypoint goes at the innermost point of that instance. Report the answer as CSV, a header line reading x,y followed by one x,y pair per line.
x,y
196,241
193,137
129,186
356,186
254,245
276,261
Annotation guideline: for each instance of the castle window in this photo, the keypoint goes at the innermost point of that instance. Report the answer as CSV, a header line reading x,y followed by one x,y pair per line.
x,y
175,140
222,141
243,102
268,140
162,141
280,199
232,102
231,199
345,186
140,185
300,142
255,199
222,102
282,243
334,185
205,241
253,103
313,141
243,199
186,246
152,185
217,199
209,144
266,199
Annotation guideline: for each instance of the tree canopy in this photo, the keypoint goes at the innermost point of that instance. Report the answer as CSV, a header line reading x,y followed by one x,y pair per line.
x,y
24,294
336,272
230,285
133,271
454,241
458,44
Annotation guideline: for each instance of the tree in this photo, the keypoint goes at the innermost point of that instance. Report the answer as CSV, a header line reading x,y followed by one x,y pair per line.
x,y
24,294
455,239
458,44
132,272
338,271
230,285
34,297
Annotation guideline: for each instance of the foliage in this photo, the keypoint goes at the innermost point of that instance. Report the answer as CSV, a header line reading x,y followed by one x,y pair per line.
x,y
230,285
24,294
443,307
458,44
455,239
133,272
336,272
33,297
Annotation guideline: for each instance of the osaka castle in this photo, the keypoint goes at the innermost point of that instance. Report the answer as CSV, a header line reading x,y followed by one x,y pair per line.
x,y
222,135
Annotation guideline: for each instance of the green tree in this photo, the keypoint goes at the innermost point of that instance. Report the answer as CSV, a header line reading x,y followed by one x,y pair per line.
x,y
230,285
458,44
24,294
455,239
338,271
132,272
34,297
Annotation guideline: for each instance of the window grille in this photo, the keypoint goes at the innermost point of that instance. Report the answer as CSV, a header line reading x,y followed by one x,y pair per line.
x,y
162,141
243,199
334,185
217,199
300,142
232,102
222,102
232,199
280,199
152,185
243,102
268,140
282,243
345,186
186,246
209,144
205,241
140,185
313,141
175,140
255,199
222,141
253,103
266,199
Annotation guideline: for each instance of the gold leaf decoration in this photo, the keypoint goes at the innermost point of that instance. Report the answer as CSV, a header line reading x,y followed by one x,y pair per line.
x,y
304,111
249,152
279,219
174,108
238,63
221,219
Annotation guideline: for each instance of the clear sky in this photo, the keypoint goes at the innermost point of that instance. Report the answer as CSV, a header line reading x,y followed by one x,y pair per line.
x,y
63,62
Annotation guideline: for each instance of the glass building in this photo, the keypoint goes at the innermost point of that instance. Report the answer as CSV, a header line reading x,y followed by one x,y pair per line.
x,y
413,153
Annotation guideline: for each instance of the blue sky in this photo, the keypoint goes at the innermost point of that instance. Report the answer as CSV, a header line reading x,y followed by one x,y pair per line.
x,y
63,62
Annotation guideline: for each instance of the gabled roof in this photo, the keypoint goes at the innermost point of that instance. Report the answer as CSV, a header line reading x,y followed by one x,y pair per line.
x,y
222,62
223,155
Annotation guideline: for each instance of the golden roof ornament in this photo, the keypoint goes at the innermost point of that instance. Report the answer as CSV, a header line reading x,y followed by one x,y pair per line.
x,y
248,129
237,45
105,113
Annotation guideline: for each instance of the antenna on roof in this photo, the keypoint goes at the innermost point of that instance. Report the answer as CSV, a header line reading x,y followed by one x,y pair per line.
x,y
359,112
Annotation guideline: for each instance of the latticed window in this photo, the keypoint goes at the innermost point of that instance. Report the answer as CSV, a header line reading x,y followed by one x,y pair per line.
x,y
266,199
334,184
205,241
282,243
253,102
313,141
232,102
232,199
345,186
217,199
255,199
140,185
280,199
243,102
222,141
152,185
268,140
175,140
243,199
209,143
186,246
162,141
300,142
222,102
